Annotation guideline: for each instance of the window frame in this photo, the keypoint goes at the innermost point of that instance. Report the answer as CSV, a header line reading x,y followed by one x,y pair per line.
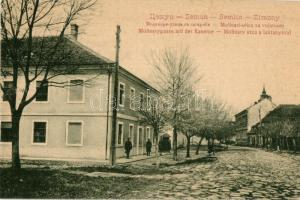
x,y
67,132
148,136
131,135
117,138
141,104
83,91
138,133
134,101
4,142
35,101
46,135
7,80
121,105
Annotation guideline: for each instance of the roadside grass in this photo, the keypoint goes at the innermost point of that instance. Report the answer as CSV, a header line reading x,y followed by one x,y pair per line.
x,y
46,183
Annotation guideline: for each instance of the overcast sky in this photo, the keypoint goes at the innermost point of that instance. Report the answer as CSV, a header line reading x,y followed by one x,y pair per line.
x,y
235,68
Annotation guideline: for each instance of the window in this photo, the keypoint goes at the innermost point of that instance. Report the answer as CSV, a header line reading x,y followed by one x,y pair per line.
x,y
131,132
7,86
148,99
42,94
132,98
141,100
39,132
140,136
121,94
76,91
148,133
135,138
6,132
120,133
74,133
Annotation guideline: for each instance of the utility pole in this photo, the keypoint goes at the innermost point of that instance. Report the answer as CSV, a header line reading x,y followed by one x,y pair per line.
x,y
115,101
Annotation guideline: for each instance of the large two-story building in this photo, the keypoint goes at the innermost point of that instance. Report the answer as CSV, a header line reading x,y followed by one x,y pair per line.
x,y
75,122
252,115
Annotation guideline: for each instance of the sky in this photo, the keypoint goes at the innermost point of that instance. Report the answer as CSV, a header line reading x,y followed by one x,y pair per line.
x,y
234,67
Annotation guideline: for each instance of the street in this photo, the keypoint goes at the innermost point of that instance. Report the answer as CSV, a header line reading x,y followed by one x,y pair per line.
x,y
236,174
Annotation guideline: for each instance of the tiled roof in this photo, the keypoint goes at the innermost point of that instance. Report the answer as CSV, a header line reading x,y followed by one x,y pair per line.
x,y
291,112
69,52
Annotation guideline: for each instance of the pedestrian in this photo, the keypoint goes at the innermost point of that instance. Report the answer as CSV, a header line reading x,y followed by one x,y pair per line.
x,y
128,147
148,147
210,147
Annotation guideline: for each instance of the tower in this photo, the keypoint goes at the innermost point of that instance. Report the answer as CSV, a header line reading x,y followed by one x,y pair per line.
x,y
264,95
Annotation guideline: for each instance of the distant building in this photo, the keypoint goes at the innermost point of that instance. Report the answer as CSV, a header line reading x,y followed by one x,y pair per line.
x,y
252,115
282,113
75,122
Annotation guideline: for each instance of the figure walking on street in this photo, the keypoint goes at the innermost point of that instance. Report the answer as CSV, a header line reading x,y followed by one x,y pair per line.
x,y
210,145
148,147
128,147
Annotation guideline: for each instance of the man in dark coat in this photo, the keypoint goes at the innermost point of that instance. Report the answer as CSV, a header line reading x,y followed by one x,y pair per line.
x,y
148,147
128,147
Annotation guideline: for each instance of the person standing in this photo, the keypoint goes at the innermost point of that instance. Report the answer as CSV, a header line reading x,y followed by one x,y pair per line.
x,y
128,147
148,147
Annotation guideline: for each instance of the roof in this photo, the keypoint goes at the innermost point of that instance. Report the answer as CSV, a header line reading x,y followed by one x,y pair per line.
x,y
283,111
69,52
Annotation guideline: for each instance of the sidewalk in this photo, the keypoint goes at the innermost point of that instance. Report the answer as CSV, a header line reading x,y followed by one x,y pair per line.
x,y
136,158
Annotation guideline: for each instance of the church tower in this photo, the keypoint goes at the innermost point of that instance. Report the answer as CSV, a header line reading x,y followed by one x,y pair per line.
x,y
264,95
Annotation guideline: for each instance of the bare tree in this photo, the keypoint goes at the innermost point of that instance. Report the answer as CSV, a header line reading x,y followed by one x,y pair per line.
x,y
27,58
153,114
175,73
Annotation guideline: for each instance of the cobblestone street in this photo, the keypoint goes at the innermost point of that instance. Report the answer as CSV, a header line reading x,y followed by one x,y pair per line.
x,y
236,174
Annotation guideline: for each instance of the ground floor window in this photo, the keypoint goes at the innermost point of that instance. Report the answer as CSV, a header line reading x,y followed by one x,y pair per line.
x,y
39,132
6,132
120,133
140,136
148,133
135,139
131,133
75,133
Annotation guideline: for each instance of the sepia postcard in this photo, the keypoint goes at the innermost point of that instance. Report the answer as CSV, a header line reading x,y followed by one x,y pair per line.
x,y
150,99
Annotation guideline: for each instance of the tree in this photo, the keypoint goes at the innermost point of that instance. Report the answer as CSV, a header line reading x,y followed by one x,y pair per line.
x,y
154,114
26,58
176,76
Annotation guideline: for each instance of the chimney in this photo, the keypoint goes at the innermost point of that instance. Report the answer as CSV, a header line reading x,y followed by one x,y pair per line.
x,y
74,31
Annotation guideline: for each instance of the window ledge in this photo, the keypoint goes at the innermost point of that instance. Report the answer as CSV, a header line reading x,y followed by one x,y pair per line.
x,y
6,143
74,145
39,144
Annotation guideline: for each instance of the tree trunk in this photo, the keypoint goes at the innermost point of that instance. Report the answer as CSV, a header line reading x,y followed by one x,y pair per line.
x,y
174,143
287,143
199,144
156,149
16,164
188,145
294,144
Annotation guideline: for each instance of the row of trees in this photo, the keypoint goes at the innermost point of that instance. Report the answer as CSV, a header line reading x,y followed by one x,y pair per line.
x,y
180,105
277,135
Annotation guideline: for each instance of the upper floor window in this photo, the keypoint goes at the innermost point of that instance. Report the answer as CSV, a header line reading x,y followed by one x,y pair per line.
x,y
6,132
74,133
39,132
7,90
132,98
76,91
42,94
142,100
121,94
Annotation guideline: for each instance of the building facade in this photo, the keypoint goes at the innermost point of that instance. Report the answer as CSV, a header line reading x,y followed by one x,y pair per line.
x,y
75,122
250,116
